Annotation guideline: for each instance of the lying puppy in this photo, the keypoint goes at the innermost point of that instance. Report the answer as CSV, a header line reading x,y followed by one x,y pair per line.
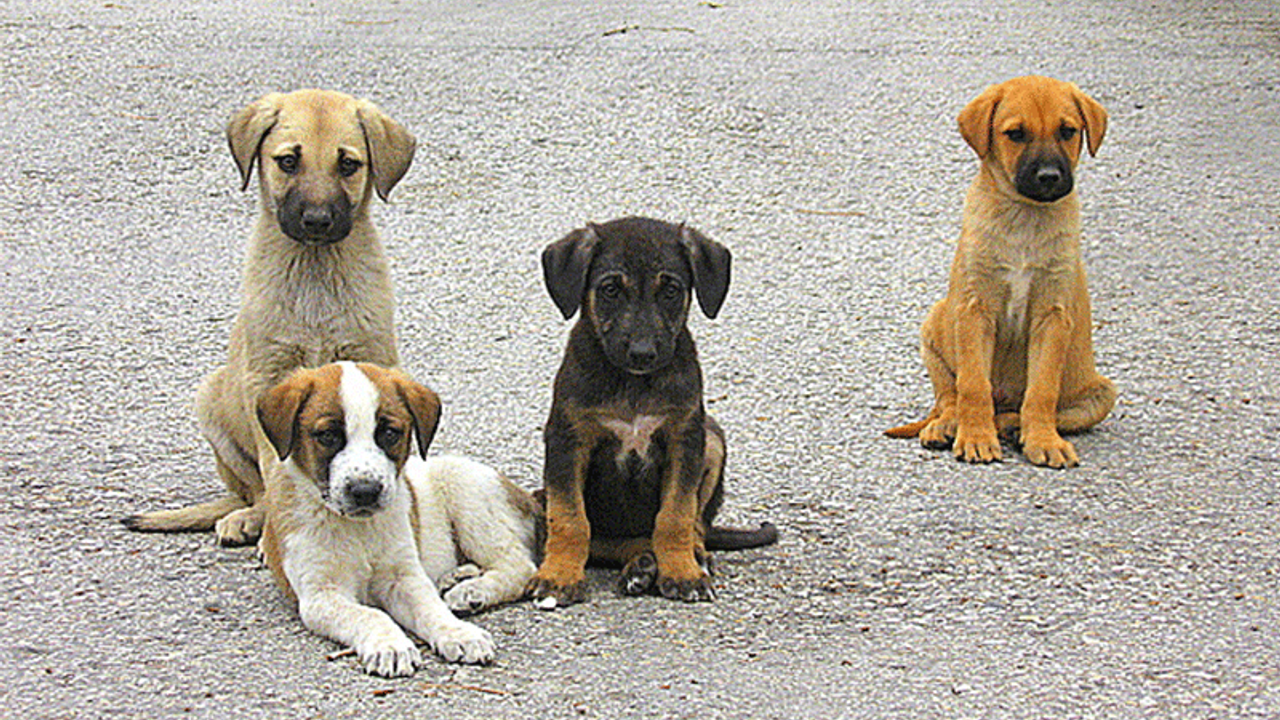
x,y
1011,345
354,519
316,288
634,467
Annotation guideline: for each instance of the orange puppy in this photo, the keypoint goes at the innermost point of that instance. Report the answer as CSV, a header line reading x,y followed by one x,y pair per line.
x,y
1010,347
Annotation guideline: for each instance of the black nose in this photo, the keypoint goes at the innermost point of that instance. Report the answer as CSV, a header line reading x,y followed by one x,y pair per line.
x,y
317,219
365,493
1048,177
641,353
1044,179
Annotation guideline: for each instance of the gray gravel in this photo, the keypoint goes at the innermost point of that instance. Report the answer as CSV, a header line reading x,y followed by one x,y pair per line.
x,y
817,140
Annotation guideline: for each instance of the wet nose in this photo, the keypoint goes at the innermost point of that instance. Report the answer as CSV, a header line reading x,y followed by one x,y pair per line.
x,y
642,353
365,493
1048,177
317,219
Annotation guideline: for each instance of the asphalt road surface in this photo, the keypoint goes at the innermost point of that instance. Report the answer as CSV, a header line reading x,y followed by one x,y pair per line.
x,y
818,142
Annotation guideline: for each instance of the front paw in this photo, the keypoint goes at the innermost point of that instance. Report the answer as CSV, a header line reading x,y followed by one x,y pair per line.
x,y
686,579
1049,449
464,643
977,445
389,656
566,588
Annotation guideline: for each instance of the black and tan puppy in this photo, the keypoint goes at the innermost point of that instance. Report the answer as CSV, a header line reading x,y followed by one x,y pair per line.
x,y
634,465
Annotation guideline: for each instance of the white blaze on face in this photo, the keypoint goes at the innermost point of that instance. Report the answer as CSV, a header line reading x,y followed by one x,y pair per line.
x,y
360,461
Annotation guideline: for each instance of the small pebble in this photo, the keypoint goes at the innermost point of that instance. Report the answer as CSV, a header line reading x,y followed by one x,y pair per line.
x,y
546,603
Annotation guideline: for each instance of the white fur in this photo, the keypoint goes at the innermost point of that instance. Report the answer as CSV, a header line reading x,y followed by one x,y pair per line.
x,y
359,580
465,511
360,460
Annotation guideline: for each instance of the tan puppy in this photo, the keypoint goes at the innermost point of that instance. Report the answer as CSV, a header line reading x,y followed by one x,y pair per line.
x,y
316,283
356,520
1011,345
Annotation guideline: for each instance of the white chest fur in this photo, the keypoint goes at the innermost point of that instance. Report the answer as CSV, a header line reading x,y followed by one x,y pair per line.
x,y
635,436
1018,279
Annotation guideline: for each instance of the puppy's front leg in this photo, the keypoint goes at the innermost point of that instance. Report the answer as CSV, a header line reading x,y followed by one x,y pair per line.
x,y
381,645
1046,350
976,440
563,571
677,543
413,600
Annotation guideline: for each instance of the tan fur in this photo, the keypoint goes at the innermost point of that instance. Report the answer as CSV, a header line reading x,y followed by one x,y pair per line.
x,y
998,363
301,305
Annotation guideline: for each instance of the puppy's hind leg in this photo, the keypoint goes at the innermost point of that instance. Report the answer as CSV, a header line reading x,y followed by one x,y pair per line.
x,y
494,524
1088,407
635,557
237,459
242,525
938,430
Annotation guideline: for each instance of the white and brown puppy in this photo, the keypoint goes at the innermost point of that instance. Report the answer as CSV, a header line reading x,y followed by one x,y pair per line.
x,y
1010,348
316,287
356,521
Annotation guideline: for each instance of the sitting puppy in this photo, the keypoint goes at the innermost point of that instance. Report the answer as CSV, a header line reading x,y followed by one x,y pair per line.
x,y
634,466
1010,347
355,519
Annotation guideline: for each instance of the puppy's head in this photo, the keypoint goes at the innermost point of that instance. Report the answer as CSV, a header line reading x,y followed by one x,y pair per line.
x,y
318,155
1030,130
633,279
346,428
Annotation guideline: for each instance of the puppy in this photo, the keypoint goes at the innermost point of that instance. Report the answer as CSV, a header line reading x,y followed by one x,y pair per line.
x,y
354,519
1010,348
634,466
316,283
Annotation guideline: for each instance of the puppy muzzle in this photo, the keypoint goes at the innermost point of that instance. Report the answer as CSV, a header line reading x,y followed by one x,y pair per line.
x,y
1045,178
315,223
362,482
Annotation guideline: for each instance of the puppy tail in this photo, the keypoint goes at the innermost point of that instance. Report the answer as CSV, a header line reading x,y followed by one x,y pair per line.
x,y
726,538
189,519
908,431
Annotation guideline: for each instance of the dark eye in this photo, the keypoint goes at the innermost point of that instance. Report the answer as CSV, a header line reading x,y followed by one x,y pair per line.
x,y
1066,132
671,292
387,436
1017,135
331,437
349,166
610,289
288,164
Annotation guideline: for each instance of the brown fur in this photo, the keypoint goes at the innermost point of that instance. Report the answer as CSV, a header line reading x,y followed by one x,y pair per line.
x,y
1009,350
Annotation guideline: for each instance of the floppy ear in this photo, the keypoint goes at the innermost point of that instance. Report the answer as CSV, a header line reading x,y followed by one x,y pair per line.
x,y
279,409
1095,119
424,406
975,120
710,262
247,129
565,263
390,147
